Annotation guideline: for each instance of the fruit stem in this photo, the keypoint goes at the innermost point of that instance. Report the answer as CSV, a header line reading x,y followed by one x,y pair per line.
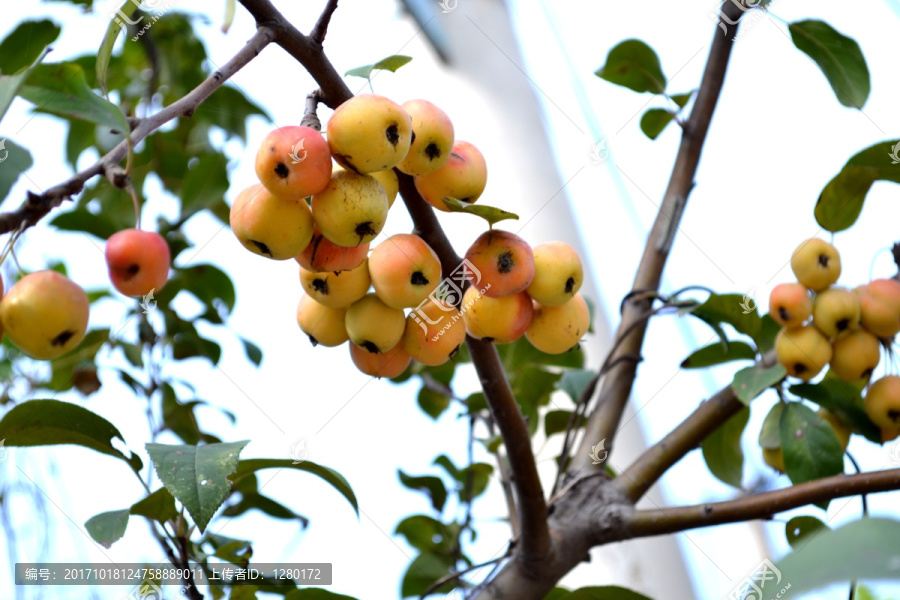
x,y
10,243
137,206
310,118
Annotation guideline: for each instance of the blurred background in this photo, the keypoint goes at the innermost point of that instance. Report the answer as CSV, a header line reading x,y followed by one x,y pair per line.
x,y
564,151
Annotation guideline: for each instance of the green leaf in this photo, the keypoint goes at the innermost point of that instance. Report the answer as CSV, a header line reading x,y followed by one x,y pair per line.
x,y
51,422
681,100
424,571
109,40
205,184
556,421
751,382
253,352
800,530
423,532
253,500
332,477
842,399
432,403
107,527
604,592
160,506
633,64
731,309
557,593
575,381
714,354
532,387
230,109
521,352
862,550
722,449
197,475
236,552
60,88
491,214
770,432
17,160
430,484
209,284
391,63
655,120
768,331
25,44
810,446
838,56
841,201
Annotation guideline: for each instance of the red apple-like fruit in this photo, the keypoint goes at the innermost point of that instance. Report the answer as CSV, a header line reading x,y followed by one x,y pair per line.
x,y
138,261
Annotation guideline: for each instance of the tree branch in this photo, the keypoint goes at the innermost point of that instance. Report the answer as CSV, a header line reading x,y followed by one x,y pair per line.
x,y
707,417
619,381
645,523
321,27
36,206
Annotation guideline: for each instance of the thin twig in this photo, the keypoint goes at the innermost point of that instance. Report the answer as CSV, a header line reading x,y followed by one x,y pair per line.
x,y
321,27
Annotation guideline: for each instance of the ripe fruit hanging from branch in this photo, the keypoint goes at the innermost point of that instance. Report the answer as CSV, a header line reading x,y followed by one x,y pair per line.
x,y
321,254
369,133
374,325
558,274
434,332
138,261
505,263
404,270
836,312
855,355
879,303
322,324
803,351
432,138
816,264
499,320
387,364
463,176
337,290
293,162
271,226
557,329
351,210
45,314
882,402
790,304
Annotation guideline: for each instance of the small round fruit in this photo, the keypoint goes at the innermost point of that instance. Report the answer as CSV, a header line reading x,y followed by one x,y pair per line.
x,y
558,274
879,303
774,457
336,290
463,176
557,329
790,304
404,270
45,314
271,226
374,325
434,332
499,320
841,430
816,264
836,312
855,355
803,351
882,402
293,162
351,210
388,180
321,254
369,133
387,364
324,325
138,261
432,138
503,263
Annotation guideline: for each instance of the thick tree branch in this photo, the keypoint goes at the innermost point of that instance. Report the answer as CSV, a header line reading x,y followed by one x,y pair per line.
x,y
532,513
645,523
708,417
36,206
307,51
619,381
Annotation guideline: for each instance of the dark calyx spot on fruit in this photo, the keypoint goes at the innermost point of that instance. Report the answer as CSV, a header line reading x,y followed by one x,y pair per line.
x,y
432,151
784,314
281,170
412,137
842,325
364,229
488,340
505,262
823,260
313,341
62,338
465,200
392,134
132,270
263,249
371,347
418,278
570,285
321,286
894,415
867,373
800,368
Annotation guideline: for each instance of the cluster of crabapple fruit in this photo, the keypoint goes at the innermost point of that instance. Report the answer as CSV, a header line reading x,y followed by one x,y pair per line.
x,y
325,215
45,314
845,329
